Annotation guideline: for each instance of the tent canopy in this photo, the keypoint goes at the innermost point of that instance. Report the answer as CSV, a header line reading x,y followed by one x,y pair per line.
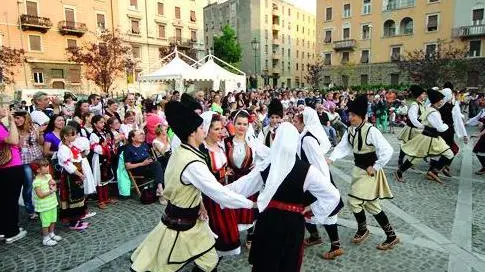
x,y
176,69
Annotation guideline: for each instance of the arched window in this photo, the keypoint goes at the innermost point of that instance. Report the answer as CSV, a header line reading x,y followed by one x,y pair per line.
x,y
406,27
389,28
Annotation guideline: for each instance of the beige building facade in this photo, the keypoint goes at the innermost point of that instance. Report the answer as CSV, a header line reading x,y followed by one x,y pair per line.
x,y
277,39
44,29
360,40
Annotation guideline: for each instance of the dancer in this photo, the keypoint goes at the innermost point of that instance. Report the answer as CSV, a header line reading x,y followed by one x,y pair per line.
x,y
369,184
479,148
282,180
223,222
313,145
428,143
181,237
413,123
275,113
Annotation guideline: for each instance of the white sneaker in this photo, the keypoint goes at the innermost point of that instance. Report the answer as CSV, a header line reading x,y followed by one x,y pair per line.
x,y
49,242
56,238
17,237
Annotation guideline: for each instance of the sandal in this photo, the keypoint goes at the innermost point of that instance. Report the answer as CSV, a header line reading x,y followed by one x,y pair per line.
x,y
79,226
358,239
446,172
311,241
397,177
430,175
102,206
388,245
331,255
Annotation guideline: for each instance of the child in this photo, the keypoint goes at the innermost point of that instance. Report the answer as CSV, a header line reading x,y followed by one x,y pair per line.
x,y
45,201
392,119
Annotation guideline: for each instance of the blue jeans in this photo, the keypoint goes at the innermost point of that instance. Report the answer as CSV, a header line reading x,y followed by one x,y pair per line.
x,y
332,134
27,190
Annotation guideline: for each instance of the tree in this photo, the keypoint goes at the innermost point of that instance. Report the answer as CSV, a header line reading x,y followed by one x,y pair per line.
x,y
10,58
226,46
104,60
189,51
431,69
314,74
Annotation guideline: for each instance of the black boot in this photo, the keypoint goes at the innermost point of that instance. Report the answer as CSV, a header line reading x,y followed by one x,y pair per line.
x,y
392,239
402,168
314,238
335,250
401,157
362,232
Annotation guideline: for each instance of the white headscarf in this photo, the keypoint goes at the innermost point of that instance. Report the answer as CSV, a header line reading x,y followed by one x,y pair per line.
x,y
207,117
313,125
282,159
448,93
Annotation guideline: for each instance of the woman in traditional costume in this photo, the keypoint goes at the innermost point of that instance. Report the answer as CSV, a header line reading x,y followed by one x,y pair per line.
x,y
282,180
429,143
479,148
369,184
181,236
413,122
313,145
223,222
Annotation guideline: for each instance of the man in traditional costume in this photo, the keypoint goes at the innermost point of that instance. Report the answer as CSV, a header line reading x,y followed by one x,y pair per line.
x,y
282,180
413,123
181,237
275,113
369,184
479,148
190,102
429,143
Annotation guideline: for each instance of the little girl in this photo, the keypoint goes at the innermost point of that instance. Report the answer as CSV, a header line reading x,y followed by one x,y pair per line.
x,y
45,201
161,146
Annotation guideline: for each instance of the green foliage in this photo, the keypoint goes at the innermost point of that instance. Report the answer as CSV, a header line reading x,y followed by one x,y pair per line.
x,y
365,88
226,46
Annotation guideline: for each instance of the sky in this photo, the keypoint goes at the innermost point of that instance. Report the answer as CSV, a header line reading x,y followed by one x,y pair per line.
x,y
308,5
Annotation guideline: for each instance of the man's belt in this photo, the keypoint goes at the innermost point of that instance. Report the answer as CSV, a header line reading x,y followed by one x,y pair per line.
x,y
365,160
296,208
180,219
430,132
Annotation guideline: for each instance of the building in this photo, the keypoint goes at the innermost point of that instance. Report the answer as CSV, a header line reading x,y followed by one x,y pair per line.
x,y
44,29
152,26
277,39
361,39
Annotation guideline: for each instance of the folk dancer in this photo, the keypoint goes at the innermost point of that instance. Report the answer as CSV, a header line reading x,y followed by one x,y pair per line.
x,y
275,113
479,148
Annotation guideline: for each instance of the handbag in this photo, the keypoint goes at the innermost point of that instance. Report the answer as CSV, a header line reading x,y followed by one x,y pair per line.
x,y
5,154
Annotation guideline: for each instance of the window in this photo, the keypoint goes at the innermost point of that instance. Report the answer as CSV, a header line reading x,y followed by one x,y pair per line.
x,y
297,54
365,32
328,14
193,36
134,4
431,50
135,27
69,15
398,4
394,79
346,33
71,43
177,13
328,59
136,52
38,77
161,31
364,80
100,21
289,12
478,16
366,7
32,8
364,58
432,24
389,28
297,66
433,1
35,43
406,27
396,54
57,73
74,75
160,8
345,57
475,48
178,34
192,16
346,10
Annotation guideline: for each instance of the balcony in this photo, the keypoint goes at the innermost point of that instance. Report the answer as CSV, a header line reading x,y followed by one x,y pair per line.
x,y
276,70
72,28
182,42
177,22
276,11
470,31
30,22
276,56
276,41
344,44
399,4
276,27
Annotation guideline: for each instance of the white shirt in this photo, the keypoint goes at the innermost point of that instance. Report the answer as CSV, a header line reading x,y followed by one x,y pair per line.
x,y
413,116
458,123
435,121
474,121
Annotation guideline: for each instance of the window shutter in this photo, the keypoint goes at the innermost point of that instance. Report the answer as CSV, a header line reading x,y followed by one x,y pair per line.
x,y
160,8
32,8
35,43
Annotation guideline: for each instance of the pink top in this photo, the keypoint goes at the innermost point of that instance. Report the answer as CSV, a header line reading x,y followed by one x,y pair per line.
x,y
152,121
14,149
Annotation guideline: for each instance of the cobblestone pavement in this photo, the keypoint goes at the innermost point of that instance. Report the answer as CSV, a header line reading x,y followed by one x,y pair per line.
x,y
442,228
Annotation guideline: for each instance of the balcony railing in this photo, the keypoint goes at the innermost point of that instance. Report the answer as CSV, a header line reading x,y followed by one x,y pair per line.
x,y
30,22
72,28
182,42
344,44
276,41
276,55
399,4
471,31
276,27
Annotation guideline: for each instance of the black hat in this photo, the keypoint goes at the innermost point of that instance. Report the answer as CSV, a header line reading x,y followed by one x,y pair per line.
x,y
416,90
434,96
275,108
358,106
182,119
190,102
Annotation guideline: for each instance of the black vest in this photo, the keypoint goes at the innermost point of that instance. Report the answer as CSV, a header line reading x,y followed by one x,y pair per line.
x,y
446,112
302,152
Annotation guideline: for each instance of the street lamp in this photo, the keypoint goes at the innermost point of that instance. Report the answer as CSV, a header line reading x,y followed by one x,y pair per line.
x,y
371,27
255,46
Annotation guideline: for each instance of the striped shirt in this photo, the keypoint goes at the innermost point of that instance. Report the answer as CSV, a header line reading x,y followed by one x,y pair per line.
x,y
47,203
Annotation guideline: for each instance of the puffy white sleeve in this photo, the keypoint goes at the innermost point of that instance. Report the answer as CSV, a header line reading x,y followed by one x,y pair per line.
x,y
434,119
383,148
326,194
413,116
342,150
94,141
474,121
315,154
458,122
249,184
199,175
64,155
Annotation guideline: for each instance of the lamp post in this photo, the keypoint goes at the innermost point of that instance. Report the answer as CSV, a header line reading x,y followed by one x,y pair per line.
x,y
255,46
371,27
